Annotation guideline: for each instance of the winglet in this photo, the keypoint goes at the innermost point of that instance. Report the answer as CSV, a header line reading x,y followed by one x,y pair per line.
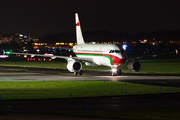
x,y
79,36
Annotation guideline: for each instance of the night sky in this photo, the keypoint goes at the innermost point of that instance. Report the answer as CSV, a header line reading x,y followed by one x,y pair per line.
x,y
39,17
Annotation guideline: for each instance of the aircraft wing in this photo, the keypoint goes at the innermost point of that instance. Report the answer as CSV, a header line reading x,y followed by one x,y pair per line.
x,y
52,56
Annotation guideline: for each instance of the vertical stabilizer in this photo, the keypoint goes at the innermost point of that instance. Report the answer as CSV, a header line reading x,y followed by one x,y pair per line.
x,y
79,36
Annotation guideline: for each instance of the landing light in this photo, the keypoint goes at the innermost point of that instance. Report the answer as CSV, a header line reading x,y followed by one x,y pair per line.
x,y
114,70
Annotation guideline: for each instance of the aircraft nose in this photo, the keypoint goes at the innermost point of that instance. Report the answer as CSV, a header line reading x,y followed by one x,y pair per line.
x,y
118,61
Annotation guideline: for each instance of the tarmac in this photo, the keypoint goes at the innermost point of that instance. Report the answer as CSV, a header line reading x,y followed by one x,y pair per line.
x,y
34,109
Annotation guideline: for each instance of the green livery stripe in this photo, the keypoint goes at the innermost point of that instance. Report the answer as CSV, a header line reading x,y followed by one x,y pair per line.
x,y
111,61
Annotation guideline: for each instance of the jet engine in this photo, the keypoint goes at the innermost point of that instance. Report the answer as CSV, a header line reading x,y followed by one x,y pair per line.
x,y
134,65
74,66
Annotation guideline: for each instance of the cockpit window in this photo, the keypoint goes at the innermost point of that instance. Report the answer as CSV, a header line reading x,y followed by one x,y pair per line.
x,y
111,51
114,51
117,51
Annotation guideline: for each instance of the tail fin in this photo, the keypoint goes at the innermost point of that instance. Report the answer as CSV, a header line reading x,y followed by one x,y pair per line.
x,y
79,36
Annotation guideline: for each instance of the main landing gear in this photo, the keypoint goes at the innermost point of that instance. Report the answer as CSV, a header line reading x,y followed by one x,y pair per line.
x,y
76,73
116,71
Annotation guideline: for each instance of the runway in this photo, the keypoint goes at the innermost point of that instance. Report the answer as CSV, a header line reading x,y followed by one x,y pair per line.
x,y
22,74
156,101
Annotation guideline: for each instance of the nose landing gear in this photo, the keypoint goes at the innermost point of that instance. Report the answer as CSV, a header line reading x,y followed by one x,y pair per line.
x,y
116,71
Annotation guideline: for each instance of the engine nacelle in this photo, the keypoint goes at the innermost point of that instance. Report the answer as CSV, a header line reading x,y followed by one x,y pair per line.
x,y
134,65
74,66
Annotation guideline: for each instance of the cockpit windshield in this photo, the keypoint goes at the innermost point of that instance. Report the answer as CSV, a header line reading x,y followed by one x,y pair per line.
x,y
114,51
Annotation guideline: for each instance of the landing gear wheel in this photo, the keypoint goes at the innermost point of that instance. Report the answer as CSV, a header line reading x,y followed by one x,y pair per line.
x,y
76,73
114,74
116,71
119,72
80,72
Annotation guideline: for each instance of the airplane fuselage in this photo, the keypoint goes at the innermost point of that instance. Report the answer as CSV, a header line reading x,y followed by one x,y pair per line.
x,y
101,54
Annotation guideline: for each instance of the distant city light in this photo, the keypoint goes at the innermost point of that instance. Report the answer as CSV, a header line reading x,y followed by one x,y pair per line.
x,y
37,50
20,35
25,50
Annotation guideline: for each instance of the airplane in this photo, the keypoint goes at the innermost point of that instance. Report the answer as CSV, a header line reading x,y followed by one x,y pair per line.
x,y
94,55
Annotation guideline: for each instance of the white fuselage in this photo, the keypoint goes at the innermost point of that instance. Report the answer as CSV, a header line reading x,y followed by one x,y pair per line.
x,y
100,54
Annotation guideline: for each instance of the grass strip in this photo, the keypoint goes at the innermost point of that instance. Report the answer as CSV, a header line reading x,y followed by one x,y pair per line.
x,y
74,89
148,67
